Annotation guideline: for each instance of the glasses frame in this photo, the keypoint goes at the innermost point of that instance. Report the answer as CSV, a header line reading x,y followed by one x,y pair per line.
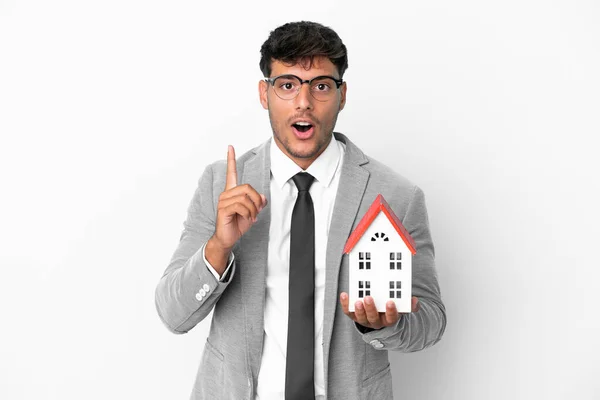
x,y
338,83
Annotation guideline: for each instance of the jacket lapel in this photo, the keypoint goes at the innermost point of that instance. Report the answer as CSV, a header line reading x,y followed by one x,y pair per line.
x,y
353,182
253,257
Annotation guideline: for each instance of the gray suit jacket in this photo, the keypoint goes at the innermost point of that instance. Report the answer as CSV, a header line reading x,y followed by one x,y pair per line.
x,y
356,363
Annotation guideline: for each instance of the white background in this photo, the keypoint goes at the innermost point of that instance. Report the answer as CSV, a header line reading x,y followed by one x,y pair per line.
x,y
110,110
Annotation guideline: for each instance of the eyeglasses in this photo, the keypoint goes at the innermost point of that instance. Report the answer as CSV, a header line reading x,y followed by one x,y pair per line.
x,y
322,88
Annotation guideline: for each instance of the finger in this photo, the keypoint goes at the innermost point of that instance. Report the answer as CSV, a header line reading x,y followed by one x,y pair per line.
x,y
264,200
345,302
360,314
242,198
415,304
237,208
231,178
371,311
246,189
391,314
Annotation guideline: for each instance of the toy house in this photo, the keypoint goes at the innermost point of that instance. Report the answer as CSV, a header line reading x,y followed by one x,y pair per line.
x,y
380,254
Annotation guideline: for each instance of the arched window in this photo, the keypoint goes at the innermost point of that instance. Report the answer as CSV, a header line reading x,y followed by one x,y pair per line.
x,y
380,236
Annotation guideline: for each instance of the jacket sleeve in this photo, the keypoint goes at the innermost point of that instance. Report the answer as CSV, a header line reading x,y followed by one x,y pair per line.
x,y
188,290
424,328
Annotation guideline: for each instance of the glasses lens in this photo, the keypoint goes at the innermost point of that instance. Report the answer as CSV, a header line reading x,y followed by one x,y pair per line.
x,y
323,88
286,87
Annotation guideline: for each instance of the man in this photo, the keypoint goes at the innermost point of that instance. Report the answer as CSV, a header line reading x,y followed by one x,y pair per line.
x,y
263,241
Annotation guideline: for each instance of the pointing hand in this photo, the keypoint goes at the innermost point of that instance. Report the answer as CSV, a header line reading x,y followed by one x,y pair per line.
x,y
237,211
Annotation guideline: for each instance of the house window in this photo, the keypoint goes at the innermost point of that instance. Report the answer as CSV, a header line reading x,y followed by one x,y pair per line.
x,y
395,292
380,236
364,289
364,264
395,261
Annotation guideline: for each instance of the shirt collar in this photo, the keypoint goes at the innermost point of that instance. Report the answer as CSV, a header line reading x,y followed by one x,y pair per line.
x,y
323,168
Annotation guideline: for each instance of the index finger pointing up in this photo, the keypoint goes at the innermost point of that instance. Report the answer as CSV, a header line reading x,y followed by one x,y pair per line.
x,y
231,180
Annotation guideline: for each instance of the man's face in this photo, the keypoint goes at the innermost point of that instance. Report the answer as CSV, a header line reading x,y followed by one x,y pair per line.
x,y
302,147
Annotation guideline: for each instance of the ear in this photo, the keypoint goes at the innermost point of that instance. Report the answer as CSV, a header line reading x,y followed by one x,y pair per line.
x,y
263,88
343,96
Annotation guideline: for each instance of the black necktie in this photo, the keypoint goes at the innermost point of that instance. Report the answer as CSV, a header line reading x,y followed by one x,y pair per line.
x,y
299,372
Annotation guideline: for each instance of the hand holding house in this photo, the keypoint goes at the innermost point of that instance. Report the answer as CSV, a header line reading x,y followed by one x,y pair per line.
x,y
380,259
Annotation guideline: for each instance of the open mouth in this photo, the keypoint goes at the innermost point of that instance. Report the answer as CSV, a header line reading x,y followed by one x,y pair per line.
x,y
302,126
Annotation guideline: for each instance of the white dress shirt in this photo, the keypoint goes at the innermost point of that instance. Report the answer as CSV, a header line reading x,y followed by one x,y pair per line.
x,y
326,170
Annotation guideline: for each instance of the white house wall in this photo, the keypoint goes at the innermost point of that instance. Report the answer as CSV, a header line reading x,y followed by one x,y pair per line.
x,y
380,273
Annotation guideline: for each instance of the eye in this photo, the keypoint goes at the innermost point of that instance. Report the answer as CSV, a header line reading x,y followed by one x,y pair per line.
x,y
286,84
322,86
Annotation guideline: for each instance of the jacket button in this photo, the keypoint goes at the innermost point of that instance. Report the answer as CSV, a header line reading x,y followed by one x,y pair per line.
x,y
199,297
376,344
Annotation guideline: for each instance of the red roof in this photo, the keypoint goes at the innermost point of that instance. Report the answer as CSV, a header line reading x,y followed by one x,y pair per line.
x,y
380,205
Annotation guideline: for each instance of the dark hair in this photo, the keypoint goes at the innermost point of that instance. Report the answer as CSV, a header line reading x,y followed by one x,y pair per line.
x,y
301,42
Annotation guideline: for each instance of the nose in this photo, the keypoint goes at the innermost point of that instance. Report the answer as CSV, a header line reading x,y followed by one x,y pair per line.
x,y
304,99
